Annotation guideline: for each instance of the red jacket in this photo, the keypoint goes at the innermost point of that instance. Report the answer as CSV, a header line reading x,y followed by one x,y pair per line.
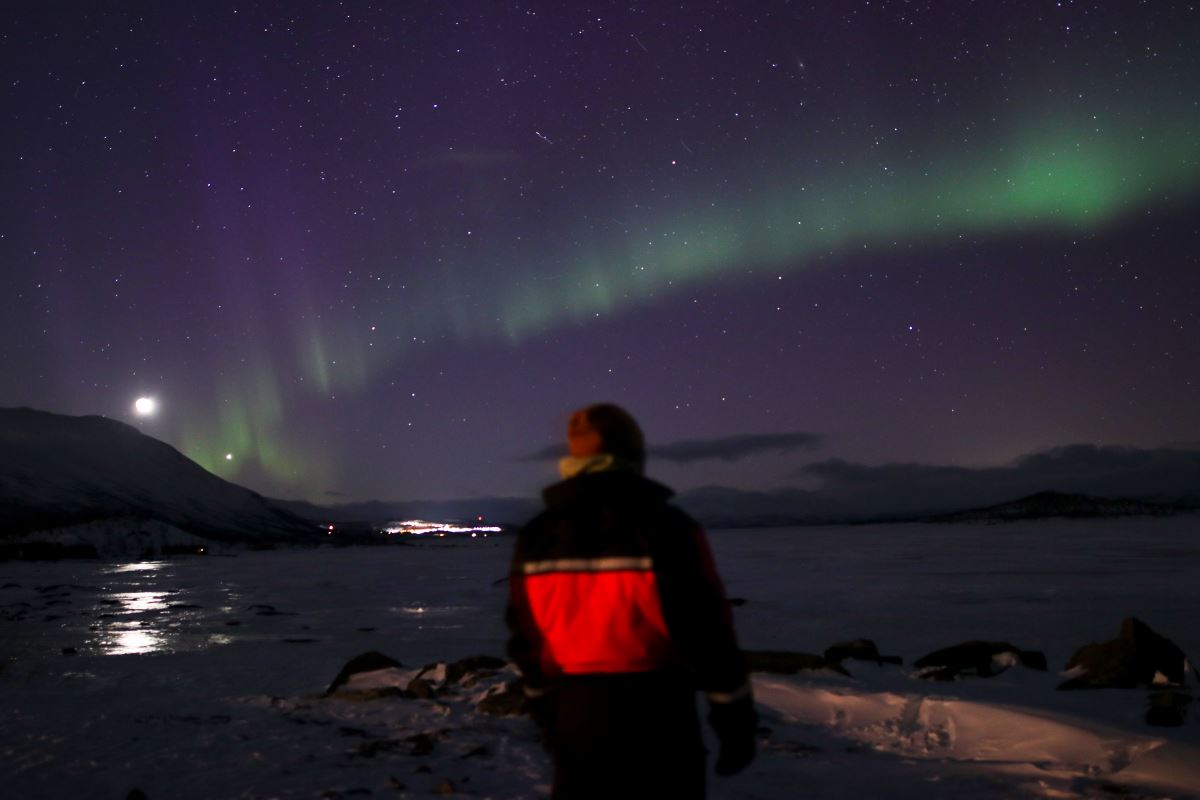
x,y
611,579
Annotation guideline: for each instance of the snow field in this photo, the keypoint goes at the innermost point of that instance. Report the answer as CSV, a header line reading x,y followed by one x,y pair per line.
x,y
202,677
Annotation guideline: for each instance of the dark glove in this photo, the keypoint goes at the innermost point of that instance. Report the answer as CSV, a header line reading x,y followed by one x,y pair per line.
x,y
540,708
735,725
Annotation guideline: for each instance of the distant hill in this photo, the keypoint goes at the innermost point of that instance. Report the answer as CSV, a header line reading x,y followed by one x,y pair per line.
x,y
1059,504
96,475
723,507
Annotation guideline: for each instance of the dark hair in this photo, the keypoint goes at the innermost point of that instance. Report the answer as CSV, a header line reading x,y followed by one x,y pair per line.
x,y
619,431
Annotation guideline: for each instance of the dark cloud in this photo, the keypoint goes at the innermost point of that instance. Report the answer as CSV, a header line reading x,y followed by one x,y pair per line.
x,y
723,448
1162,474
842,490
734,448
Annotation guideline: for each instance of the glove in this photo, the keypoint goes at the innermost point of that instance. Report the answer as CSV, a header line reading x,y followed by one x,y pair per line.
x,y
735,725
540,708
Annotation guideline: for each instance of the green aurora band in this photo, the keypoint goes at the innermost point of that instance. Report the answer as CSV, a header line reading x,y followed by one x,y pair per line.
x,y
1064,174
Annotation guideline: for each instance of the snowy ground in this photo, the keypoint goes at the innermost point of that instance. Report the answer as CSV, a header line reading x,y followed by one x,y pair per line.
x,y
202,677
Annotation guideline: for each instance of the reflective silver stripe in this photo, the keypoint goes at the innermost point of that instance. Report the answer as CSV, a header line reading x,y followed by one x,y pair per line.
x,y
729,697
587,564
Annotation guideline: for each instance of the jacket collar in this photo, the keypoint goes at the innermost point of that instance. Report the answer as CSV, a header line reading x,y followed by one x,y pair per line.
x,y
605,485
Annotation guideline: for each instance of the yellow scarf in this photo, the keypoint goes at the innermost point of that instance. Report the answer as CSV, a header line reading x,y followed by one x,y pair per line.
x,y
570,466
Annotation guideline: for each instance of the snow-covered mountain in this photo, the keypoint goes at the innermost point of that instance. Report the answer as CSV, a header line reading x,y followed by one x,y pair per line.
x,y
61,473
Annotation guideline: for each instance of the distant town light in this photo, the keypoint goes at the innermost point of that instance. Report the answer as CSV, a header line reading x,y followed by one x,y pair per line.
x,y
418,527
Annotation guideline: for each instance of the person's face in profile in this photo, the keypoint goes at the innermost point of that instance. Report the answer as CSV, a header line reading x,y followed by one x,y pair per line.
x,y
582,439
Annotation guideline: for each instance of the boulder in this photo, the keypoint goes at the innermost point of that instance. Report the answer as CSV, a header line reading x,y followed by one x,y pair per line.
x,y
367,662
448,673
784,662
457,670
859,650
505,701
1137,657
421,689
979,658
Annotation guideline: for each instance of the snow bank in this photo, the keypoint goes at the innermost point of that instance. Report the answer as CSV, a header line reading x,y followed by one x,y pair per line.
x,y
926,726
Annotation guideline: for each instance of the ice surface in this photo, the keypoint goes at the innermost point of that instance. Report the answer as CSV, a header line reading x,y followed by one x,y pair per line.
x,y
202,677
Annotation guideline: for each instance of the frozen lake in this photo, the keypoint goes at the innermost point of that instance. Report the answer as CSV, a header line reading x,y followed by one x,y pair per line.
x,y
163,674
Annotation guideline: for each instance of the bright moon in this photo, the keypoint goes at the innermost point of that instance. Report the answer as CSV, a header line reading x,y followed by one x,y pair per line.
x,y
145,406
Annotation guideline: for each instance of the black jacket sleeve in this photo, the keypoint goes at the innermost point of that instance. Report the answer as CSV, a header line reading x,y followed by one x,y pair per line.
x,y
697,612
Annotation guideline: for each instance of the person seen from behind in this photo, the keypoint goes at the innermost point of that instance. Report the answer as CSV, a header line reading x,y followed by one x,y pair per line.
x,y
617,617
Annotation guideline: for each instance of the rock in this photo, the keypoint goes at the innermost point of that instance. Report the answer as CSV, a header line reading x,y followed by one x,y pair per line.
x,y
420,688
1137,657
860,650
367,662
69,651
508,701
457,670
445,787
1167,709
984,659
783,662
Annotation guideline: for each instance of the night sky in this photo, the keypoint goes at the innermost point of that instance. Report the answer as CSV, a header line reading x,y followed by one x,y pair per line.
x,y
380,250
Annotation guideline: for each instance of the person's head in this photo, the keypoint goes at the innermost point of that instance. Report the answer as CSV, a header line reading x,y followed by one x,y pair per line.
x,y
606,428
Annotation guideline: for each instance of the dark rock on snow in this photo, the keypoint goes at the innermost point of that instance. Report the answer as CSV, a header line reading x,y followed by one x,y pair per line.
x,y
457,670
983,659
367,662
507,702
1137,657
507,699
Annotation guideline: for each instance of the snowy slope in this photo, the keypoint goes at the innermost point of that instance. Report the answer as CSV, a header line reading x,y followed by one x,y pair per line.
x,y
61,472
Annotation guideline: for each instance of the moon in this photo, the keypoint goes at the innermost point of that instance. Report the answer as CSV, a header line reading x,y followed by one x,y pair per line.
x,y
145,406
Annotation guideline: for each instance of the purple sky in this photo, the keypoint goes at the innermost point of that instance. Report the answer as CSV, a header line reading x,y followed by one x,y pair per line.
x,y
380,250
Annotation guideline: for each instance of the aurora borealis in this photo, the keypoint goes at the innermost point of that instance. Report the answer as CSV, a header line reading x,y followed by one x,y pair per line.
x,y
380,250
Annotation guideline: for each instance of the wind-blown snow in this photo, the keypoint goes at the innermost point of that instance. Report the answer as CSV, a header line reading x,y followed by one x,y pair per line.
x,y
203,677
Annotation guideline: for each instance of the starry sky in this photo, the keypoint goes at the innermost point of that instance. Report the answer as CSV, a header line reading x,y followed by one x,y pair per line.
x,y
380,250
